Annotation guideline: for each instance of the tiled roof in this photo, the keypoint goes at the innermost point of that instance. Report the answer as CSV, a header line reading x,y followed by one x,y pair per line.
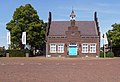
x,y
86,28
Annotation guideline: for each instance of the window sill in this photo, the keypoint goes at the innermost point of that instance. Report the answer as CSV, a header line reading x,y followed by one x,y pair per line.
x,y
53,52
60,52
93,52
85,52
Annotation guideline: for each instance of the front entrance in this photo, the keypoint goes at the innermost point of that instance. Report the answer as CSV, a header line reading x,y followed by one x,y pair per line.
x,y
72,49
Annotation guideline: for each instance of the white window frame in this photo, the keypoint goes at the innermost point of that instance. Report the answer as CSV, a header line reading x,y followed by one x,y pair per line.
x,y
84,47
53,47
92,47
60,49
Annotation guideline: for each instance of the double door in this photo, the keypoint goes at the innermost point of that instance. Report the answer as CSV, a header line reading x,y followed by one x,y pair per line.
x,y
72,50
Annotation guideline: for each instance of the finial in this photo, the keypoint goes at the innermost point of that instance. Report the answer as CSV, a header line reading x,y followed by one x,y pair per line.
x,y
72,14
95,16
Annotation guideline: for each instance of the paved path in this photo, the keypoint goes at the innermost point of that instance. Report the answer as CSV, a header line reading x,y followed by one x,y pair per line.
x,y
59,70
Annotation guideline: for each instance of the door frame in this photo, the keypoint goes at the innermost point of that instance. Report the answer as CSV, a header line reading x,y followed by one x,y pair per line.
x,y
73,45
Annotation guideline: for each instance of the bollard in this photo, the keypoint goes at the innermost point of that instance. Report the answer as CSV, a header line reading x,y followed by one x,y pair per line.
x,y
27,54
7,54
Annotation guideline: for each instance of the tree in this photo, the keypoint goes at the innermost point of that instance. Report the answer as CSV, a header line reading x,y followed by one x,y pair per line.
x,y
114,36
25,18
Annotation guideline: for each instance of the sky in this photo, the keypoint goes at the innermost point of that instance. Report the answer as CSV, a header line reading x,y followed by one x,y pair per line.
x,y
107,11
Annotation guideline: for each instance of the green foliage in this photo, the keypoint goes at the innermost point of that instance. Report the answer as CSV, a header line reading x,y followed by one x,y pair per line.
x,y
116,51
25,18
16,53
102,54
2,53
114,34
110,54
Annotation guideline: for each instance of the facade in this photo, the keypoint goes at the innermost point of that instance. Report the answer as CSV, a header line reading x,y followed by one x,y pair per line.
x,y
73,38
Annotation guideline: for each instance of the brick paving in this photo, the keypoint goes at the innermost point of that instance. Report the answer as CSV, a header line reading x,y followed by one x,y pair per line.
x,y
59,70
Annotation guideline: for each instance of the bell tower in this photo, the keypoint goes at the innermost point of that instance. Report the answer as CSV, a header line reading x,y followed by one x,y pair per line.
x,y
72,32
72,17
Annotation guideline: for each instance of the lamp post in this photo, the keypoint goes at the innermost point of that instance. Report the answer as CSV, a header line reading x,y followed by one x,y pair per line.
x,y
111,44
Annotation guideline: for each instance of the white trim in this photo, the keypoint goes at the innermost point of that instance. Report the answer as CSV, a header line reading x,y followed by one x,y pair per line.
x,y
60,49
54,50
92,51
72,44
85,50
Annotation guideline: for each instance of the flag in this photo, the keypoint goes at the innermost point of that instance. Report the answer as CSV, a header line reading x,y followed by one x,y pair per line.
x,y
8,38
105,38
24,38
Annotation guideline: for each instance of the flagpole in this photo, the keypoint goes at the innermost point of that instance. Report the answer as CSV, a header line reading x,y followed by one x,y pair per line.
x,y
104,51
104,43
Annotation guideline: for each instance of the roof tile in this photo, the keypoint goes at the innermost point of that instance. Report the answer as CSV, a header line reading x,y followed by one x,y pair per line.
x,y
86,28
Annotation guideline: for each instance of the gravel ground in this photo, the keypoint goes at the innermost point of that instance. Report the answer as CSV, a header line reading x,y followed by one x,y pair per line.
x,y
59,70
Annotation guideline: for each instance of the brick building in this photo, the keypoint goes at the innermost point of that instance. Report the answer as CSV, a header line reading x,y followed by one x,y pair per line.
x,y
73,38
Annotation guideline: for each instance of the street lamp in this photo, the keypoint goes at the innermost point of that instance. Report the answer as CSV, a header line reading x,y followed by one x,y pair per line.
x,y
111,44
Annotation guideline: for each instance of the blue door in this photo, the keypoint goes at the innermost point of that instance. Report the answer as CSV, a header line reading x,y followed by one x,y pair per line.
x,y
72,50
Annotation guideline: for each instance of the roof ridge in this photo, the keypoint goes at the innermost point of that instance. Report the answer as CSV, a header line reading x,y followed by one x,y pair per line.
x,y
76,21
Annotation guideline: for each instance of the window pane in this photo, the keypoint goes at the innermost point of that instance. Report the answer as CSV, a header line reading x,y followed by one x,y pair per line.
x,y
53,48
61,48
92,48
84,48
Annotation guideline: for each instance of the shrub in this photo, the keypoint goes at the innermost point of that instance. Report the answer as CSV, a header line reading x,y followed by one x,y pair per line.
x,y
102,54
110,54
16,53
19,53
2,53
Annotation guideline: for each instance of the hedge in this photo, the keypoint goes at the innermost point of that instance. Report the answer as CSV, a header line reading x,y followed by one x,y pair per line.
x,y
102,54
2,53
17,53
108,54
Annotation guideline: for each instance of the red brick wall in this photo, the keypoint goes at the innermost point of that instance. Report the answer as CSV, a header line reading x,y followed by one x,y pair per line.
x,y
73,36
79,42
